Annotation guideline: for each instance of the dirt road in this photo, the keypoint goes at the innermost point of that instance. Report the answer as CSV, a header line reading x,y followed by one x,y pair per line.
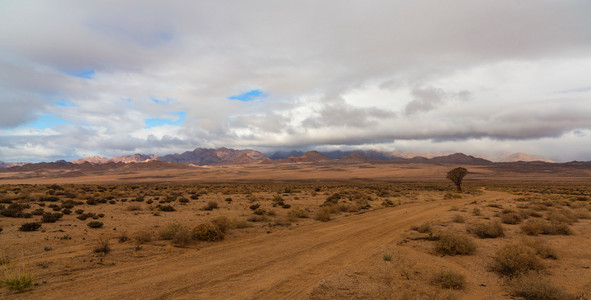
x,y
286,264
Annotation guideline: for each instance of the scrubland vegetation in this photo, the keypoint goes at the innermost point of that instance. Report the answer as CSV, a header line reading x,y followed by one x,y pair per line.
x,y
515,243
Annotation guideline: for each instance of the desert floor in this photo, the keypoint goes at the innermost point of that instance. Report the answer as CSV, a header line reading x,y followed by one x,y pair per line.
x,y
294,231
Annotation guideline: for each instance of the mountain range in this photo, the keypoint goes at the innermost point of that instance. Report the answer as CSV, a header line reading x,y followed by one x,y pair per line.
x,y
227,156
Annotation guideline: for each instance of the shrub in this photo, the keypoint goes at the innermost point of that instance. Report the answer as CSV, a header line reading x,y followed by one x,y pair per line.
x,y
207,232
169,231
562,216
241,223
85,216
514,259
259,211
211,205
454,244
133,207
183,236
14,210
123,237
459,219
423,228
254,206
143,236
322,215
95,224
184,200
511,218
296,213
102,246
476,211
16,278
51,218
487,229
30,226
542,248
223,223
166,208
536,287
449,280
535,227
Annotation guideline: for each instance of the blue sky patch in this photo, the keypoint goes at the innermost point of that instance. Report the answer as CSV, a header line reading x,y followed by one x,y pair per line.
x,y
155,122
249,96
63,103
82,73
46,121
161,101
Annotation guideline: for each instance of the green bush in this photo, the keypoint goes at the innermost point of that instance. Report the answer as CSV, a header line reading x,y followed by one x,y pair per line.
x,y
95,224
30,226
51,218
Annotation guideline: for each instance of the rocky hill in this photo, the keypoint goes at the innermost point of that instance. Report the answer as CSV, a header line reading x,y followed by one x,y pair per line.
x,y
202,156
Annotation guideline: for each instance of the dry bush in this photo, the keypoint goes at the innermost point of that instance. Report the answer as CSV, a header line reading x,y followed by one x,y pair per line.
x,y
582,213
241,223
515,259
211,205
459,219
535,227
423,228
143,236
450,243
102,246
322,215
168,231
449,280
476,211
511,218
207,232
296,213
561,216
133,207
223,223
526,213
183,236
486,230
533,286
542,248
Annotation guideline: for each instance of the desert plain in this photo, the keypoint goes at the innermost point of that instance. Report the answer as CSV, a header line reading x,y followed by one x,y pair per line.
x,y
298,231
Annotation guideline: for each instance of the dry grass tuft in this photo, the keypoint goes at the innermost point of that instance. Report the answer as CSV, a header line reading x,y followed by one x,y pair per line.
x,y
16,277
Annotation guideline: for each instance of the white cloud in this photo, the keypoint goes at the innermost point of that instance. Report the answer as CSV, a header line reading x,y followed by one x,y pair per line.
x,y
461,75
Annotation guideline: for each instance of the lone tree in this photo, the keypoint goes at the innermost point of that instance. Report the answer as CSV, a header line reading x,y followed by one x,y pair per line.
x,y
456,175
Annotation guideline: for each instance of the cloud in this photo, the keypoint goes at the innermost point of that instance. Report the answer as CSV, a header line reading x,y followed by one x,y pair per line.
x,y
323,74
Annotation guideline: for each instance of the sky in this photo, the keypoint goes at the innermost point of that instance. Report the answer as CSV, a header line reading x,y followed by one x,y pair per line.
x,y
110,78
